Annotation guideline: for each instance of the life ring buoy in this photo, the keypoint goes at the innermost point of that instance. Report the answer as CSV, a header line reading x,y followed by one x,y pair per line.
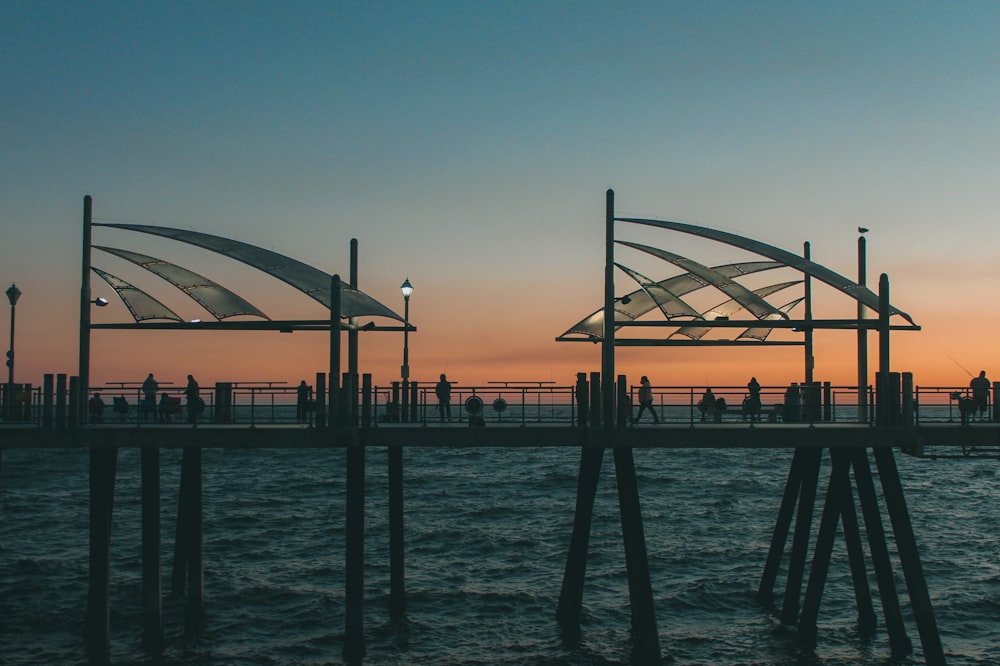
x,y
474,405
499,404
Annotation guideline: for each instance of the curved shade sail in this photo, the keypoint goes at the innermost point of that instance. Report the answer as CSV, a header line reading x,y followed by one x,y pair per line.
x,y
215,298
139,303
311,281
639,302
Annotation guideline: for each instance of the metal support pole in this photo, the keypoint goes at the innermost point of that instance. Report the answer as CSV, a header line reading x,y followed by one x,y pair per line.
x,y
882,410
352,345
608,340
862,336
334,390
84,358
810,361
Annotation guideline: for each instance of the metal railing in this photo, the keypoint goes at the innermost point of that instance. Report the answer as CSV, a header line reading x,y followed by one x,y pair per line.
x,y
258,403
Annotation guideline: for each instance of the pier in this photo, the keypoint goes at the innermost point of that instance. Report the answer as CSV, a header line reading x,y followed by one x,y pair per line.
x,y
595,414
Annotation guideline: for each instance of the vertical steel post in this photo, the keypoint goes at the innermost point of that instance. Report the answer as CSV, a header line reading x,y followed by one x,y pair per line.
x,y
862,335
608,340
810,361
335,419
352,345
765,593
84,357
882,400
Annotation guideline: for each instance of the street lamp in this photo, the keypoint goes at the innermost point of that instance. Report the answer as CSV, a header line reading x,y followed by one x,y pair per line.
x,y
13,293
407,289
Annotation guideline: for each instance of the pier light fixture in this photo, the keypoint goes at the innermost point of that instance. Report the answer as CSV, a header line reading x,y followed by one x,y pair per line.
x,y
407,289
100,301
13,293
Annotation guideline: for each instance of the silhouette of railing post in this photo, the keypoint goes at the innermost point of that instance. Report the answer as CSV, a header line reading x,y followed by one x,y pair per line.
x,y
48,395
60,401
320,399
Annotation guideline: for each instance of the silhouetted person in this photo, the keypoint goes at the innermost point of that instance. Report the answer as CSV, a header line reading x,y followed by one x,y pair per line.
x,y
751,404
707,404
192,390
195,405
303,397
96,407
793,404
149,389
443,393
164,407
646,400
980,393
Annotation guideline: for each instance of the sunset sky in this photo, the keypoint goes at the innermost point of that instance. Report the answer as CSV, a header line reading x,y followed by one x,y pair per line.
x,y
468,147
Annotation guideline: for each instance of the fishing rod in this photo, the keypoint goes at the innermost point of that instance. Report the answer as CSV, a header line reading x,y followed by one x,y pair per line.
x,y
961,366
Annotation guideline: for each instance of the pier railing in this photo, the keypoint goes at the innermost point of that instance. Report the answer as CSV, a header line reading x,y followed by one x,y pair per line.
x,y
509,403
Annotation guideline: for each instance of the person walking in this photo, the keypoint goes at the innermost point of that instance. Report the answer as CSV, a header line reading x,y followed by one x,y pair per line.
x,y
646,400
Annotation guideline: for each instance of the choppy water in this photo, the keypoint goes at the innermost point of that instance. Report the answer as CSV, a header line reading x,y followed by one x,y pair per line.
x,y
487,532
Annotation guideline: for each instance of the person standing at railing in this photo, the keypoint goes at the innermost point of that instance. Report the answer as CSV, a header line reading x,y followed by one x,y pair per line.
x,y
443,393
149,388
646,400
303,400
980,393
195,405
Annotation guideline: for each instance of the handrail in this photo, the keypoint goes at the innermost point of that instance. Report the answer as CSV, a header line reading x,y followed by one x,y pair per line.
x,y
518,403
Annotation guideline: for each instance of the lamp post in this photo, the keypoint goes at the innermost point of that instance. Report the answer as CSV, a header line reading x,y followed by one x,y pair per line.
x,y
407,289
13,293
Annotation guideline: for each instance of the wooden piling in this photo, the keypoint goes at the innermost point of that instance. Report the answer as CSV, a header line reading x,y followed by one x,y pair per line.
x,y
765,592
646,640
152,579
397,584
800,538
571,595
354,580
832,510
856,557
97,636
909,557
878,548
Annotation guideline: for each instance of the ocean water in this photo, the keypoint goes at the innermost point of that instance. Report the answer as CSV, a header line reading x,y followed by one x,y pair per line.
x,y
487,532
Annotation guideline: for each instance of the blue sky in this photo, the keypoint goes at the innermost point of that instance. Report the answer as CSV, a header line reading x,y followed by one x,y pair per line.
x,y
468,146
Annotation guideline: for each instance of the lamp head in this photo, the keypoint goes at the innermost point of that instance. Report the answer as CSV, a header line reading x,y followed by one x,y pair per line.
x,y
13,293
100,301
406,288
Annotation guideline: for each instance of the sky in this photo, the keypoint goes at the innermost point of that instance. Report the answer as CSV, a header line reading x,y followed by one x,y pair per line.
x,y
468,147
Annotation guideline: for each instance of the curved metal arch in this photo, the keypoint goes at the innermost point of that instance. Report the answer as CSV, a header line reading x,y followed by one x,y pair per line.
x,y
207,293
753,304
859,293
310,281
141,305
638,302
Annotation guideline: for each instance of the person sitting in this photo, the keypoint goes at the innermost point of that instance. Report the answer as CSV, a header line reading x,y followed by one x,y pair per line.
x,y
165,408
707,404
96,407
